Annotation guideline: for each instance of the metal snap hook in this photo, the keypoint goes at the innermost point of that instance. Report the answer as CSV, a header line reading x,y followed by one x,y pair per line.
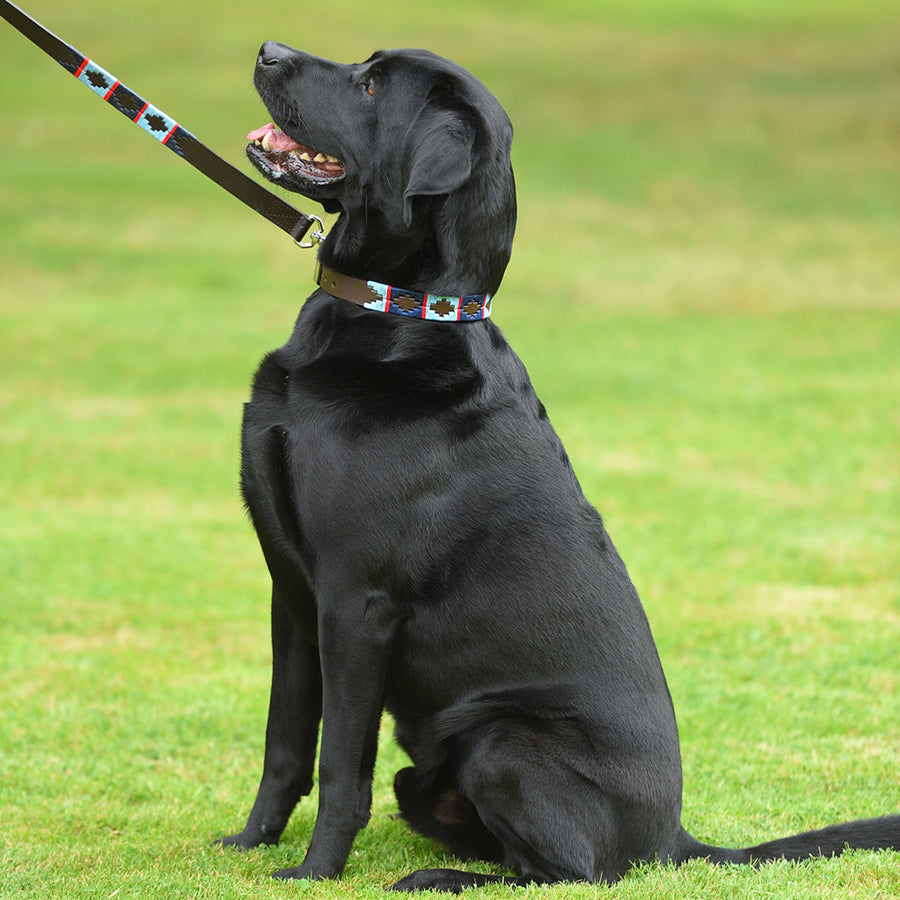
x,y
317,236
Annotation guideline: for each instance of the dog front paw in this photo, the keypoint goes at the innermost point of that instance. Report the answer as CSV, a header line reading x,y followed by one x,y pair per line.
x,y
247,840
298,873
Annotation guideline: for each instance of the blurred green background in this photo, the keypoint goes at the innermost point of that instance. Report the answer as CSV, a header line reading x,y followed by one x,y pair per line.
x,y
705,286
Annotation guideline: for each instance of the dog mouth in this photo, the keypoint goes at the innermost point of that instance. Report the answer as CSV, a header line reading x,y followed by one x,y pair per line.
x,y
282,159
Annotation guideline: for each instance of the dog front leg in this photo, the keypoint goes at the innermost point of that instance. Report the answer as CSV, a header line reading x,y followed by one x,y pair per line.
x,y
292,730
354,647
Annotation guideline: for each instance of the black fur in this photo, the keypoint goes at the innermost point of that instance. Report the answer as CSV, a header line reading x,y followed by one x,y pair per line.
x,y
430,549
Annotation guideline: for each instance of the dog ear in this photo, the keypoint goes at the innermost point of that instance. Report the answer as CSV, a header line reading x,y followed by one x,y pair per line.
x,y
439,154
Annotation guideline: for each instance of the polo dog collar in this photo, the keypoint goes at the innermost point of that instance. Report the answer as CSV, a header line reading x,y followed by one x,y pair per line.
x,y
387,298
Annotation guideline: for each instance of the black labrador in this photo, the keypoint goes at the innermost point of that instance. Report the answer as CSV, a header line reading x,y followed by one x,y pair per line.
x,y
430,548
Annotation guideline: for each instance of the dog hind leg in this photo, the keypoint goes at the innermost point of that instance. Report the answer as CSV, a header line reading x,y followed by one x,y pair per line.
x,y
432,804
530,791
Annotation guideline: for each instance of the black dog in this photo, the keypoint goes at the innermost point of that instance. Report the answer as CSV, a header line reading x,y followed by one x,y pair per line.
x,y
430,549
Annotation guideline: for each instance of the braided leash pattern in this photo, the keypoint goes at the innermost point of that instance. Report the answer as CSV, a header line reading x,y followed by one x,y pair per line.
x,y
154,121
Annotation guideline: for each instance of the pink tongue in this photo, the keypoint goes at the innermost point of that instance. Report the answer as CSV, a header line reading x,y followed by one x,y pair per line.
x,y
257,135
278,140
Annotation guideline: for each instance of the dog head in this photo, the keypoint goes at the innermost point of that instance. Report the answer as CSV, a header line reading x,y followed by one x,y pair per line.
x,y
410,148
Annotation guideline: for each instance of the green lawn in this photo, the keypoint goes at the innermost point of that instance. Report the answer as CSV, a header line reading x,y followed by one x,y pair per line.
x,y
706,289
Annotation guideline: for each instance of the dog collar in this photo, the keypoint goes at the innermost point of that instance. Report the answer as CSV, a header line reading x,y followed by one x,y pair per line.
x,y
403,302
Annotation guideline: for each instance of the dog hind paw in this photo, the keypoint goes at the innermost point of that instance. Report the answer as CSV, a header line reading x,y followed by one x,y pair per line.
x,y
451,881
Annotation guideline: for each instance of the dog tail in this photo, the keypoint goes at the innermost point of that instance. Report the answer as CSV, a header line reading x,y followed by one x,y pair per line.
x,y
865,834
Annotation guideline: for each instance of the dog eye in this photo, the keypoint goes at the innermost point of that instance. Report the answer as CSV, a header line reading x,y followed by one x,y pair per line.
x,y
370,88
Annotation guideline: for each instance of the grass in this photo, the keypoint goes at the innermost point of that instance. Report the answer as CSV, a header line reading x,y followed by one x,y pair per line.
x,y
706,289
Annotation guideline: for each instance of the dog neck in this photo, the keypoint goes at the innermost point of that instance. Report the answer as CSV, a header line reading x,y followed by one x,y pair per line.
x,y
387,298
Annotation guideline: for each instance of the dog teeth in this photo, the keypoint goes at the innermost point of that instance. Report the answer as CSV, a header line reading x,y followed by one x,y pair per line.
x,y
303,155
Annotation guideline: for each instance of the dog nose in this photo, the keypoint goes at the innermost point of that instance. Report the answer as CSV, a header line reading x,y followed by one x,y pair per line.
x,y
272,53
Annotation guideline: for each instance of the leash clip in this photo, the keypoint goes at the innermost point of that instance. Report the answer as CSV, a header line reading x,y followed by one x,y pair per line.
x,y
317,236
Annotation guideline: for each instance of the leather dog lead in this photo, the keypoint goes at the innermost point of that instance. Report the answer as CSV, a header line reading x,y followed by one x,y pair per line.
x,y
165,129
